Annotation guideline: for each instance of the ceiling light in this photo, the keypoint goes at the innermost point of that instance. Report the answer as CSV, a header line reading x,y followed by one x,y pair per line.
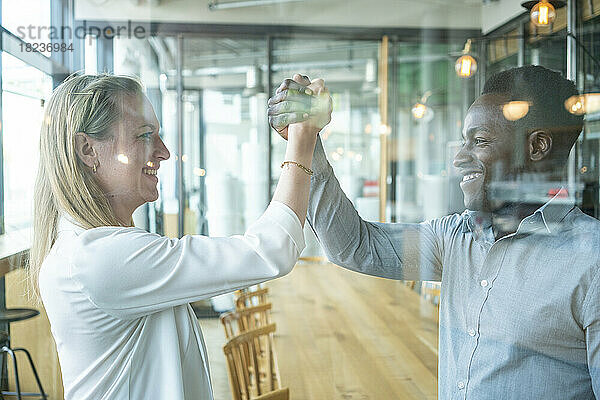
x,y
543,12
419,110
466,65
586,103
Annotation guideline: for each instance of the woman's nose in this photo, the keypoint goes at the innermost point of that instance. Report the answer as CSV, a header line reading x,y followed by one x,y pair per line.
x,y
161,150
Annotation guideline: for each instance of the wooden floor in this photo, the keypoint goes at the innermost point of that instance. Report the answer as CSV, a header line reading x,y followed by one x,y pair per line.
x,y
343,335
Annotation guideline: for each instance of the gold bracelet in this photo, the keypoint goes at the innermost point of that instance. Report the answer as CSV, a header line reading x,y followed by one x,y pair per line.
x,y
302,167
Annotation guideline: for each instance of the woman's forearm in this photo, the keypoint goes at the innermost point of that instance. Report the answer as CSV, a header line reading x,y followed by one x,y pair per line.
x,y
294,183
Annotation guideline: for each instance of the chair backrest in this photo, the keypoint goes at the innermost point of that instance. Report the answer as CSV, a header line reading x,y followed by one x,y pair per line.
x,y
252,363
279,394
236,322
251,299
231,324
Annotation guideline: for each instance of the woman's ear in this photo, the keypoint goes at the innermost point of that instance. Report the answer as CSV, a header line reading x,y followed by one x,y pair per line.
x,y
539,144
85,149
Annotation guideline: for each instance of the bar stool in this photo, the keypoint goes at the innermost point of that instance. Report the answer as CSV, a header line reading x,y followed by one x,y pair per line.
x,y
6,317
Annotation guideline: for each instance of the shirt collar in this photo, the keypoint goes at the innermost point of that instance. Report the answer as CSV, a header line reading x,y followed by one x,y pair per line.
x,y
67,223
549,216
475,219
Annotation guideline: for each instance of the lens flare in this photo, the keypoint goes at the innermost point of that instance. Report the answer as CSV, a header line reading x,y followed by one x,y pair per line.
x,y
586,103
515,110
199,171
419,110
123,159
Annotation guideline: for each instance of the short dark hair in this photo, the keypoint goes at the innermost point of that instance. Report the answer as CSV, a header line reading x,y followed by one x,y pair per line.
x,y
546,91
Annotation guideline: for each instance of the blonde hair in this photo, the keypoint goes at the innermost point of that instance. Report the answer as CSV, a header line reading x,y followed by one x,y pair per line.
x,y
82,103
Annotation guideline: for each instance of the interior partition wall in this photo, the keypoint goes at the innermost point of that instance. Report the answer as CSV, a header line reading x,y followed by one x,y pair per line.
x,y
576,56
229,155
232,158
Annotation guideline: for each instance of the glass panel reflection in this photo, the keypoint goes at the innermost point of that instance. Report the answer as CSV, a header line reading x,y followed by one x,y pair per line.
x,y
24,89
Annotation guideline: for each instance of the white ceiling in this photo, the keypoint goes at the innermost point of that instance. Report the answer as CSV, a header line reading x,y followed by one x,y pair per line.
x,y
496,13
456,14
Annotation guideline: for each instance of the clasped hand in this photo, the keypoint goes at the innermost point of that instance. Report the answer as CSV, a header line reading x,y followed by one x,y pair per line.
x,y
298,100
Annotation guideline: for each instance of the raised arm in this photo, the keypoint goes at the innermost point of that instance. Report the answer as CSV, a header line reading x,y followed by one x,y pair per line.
x,y
292,188
129,272
398,251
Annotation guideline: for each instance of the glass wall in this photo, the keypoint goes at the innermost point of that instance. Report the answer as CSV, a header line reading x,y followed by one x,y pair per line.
x,y
520,42
225,150
226,83
430,104
26,85
24,90
351,140
397,123
227,77
31,23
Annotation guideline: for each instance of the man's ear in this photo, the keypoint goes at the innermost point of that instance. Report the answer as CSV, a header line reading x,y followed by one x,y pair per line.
x,y
539,144
85,150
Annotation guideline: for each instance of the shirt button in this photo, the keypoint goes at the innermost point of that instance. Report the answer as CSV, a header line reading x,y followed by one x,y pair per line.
x,y
461,385
471,332
484,283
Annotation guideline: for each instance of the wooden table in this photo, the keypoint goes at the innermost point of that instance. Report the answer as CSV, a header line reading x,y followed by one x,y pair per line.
x,y
343,335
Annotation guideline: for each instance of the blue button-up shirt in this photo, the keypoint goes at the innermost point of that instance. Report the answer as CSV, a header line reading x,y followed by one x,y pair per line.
x,y
519,316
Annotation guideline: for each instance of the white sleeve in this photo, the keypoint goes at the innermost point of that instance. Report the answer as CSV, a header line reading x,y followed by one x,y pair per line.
x,y
129,272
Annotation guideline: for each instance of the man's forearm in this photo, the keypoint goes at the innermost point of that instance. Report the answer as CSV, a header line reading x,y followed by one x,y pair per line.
x,y
347,239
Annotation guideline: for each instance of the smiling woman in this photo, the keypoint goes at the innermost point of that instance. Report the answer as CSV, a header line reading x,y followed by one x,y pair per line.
x,y
125,167
117,297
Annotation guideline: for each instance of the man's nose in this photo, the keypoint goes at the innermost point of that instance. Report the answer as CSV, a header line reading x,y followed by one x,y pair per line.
x,y
462,157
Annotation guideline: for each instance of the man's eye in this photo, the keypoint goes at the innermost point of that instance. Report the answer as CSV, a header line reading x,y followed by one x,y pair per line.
x,y
146,135
480,141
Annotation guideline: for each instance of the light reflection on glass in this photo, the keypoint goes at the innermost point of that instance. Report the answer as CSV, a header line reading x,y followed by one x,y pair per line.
x,y
583,104
515,110
123,158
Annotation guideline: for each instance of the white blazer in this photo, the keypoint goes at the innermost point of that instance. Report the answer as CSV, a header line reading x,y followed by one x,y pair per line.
x,y
118,302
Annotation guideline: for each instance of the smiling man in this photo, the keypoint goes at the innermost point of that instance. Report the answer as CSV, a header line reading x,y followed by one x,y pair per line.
x,y
520,300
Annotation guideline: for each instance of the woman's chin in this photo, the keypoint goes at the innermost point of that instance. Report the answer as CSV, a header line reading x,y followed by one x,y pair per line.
x,y
150,196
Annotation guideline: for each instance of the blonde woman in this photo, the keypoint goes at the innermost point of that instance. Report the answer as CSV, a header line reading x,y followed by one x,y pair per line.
x,y
117,296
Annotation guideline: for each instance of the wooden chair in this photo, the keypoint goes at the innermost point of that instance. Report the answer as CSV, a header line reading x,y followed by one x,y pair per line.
x,y
250,299
237,322
249,289
252,366
280,394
